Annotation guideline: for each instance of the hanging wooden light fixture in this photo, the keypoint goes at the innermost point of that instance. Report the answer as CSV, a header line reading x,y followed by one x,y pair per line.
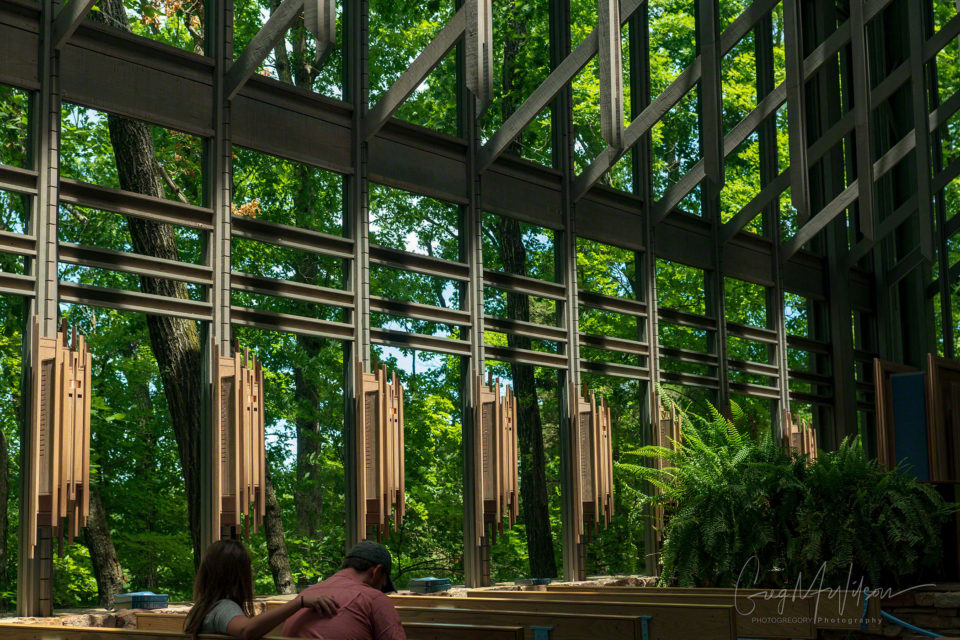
x,y
380,465
239,442
593,446
495,466
58,477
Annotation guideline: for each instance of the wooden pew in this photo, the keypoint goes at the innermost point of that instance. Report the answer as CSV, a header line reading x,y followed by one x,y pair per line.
x,y
57,632
795,616
168,622
537,626
552,625
577,620
822,610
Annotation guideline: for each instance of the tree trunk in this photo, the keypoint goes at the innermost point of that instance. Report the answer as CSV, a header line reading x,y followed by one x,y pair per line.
x,y
276,545
175,341
103,556
533,470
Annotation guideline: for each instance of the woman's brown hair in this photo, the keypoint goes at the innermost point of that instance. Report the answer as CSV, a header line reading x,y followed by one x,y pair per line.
x,y
225,574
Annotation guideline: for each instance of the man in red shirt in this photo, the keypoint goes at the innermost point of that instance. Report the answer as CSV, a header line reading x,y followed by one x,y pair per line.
x,y
359,588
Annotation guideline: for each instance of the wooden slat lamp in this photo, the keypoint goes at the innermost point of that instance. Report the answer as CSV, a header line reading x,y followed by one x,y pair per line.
x,y
239,447
799,436
669,435
495,464
593,446
58,482
380,465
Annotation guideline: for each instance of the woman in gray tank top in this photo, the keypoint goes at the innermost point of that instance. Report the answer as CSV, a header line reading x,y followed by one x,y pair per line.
x,y
223,597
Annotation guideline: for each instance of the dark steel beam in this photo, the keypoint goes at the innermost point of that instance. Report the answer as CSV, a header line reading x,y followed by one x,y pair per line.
x,y
685,319
826,215
755,390
747,332
904,267
690,379
477,74
767,107
752,209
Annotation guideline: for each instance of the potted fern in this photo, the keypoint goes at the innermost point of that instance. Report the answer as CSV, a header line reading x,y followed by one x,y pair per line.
x,y
742,509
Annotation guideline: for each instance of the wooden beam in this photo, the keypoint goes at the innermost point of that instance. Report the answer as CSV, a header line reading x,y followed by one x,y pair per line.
x,y
479,52
753,208
903,267
548,89
862,119
796,122
68,19
766,108
415,74
887,226
259,48
654,112
816,224
611,72
320,20
711,99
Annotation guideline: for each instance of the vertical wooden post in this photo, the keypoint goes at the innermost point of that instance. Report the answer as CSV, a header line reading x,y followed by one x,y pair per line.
x,y
356,226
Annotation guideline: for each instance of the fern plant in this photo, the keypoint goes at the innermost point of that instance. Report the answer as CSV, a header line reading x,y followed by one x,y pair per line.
x,y
741,509
860,520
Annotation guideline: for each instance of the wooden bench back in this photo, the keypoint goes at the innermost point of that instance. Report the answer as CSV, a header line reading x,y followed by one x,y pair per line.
x,y
828,610
578,620
170,622
57,632
748,617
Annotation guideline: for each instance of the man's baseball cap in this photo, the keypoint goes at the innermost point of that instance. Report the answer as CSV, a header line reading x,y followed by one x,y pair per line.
x,y
377,554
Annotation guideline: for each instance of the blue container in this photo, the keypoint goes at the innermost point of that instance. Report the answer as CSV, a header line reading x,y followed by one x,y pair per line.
x,y
429,585
141,600
530,582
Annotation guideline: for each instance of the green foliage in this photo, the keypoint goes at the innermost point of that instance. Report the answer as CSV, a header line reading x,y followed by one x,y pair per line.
x,y
741,509
74,584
